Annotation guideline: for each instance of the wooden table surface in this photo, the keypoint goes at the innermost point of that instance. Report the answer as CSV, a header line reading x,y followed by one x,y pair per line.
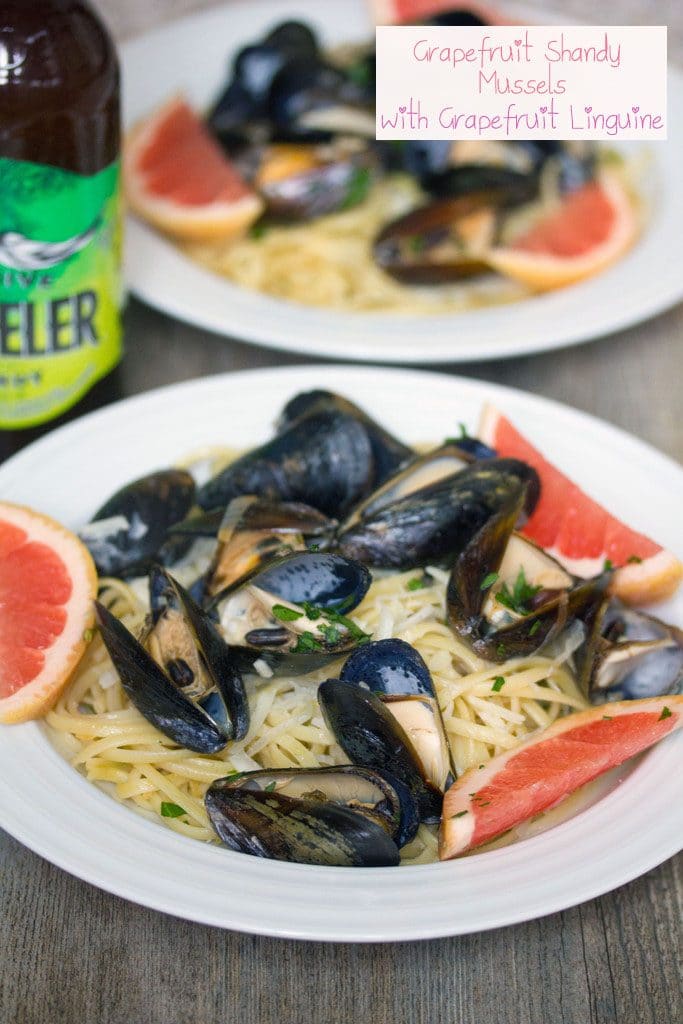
x,y
73,954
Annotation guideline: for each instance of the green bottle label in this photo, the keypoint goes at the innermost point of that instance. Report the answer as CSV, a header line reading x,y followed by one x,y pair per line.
x,y
60,287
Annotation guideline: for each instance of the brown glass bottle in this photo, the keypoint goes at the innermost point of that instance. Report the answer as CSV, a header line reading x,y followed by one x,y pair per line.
x,y
59,142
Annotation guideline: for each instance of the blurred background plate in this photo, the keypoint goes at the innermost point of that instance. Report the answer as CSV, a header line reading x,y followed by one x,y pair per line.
x,y
53,810
193,55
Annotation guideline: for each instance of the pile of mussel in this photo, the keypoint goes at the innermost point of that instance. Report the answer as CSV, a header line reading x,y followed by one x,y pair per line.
x,y
300,125
294,530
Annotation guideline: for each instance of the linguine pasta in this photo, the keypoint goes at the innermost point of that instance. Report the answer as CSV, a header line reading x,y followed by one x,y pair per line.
x,y
109,741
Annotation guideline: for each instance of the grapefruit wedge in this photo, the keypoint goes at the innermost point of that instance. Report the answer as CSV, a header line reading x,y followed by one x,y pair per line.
x,y
593,228
544,769
178,178
581,534
47,586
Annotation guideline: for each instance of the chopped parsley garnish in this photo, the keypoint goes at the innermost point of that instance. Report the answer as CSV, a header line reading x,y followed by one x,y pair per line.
x,y
500,650
359,73
285,614
460,814
517,599
169,810
306,642
270,787
488,580
88,634
535,626
481,766
333,615
314,547
608,565
417,243
634,559
358,187
498,684
417,583
330,634
235,775
257,231
608,718
666,713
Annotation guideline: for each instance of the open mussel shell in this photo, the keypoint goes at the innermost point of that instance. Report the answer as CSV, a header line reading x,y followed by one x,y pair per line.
x,y
420,472
390,667
256,531
515,186
309,96
293,614
127,531
634,655
299,181
388,452
367,792
325,461
194,692
434,524
480,579
305,831
372,737
395,671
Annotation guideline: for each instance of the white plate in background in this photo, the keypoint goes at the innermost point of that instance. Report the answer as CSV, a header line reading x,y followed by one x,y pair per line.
x,y
193,56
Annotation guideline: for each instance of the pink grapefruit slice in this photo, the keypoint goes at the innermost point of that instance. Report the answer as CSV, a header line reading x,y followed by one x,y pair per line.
x,y
178,178
539,773
579,532
592,229
47,586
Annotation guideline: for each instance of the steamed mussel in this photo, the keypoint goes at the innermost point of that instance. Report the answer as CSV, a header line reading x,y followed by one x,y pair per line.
x,y
435,522
293,615
126,533
372,737
254,531
506,597
344,817
181,675
397,673
631,655
325,461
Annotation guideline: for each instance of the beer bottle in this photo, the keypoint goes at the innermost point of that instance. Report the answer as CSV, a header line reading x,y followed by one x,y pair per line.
x,y
60,231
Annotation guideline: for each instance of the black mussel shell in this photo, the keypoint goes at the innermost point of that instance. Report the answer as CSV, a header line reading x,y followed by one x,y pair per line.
x,y
514,187
388,452
474,447
389,667
152,693
304,85
468,588
293,38
337,183
322,579
631,655
371,737
304,831
435,524
325,461
360,789
141,514
418,473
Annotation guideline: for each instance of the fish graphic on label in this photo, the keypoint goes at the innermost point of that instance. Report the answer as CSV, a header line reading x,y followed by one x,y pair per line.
x,y
21,253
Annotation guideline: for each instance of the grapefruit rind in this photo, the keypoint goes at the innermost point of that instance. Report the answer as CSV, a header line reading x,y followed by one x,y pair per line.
x,y
655,577
546,272
61,658
213,221
468,801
